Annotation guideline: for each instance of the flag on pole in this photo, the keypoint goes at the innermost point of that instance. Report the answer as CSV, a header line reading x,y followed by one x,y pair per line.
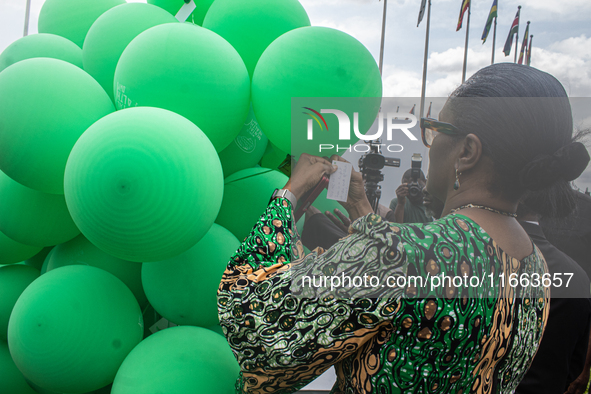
x,y
491,17
529,50
422,11
412,111
465,5
512,32
523,51
429,110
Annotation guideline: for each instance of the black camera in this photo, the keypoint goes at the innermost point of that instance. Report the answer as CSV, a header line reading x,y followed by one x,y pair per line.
x,y
414,189
370,165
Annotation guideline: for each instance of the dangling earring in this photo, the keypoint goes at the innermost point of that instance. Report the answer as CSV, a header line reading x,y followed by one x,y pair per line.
x,y
457,182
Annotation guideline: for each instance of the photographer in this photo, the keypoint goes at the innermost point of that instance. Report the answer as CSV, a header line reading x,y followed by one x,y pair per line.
x,y
408,206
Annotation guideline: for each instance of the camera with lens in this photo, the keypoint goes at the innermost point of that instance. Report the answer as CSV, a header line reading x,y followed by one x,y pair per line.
x,y
414,189
370,165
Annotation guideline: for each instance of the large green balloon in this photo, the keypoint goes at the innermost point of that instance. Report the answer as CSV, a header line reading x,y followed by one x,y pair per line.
x,y
313,62
112,32
250,26
191,71
32,217
247,148
45,105
183,289
181,359
41,45
72,327
143,184
13,381
14,252
173,6
246,195
81,251
72,18
14,279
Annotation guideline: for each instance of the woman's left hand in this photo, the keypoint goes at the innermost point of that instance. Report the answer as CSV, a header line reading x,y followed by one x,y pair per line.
x,y
307,173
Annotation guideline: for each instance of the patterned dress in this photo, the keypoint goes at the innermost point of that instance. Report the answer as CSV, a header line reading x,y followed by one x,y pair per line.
x,y
417,339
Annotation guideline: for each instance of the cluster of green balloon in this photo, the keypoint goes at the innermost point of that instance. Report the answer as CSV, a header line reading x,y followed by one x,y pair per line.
x,y
71,329
72,18
188,70
143,184
41,45
246,195
313,62
14,279
183,359
45,105
247,149
112,32
14,252
81,251
174,285
32,217
250,26
173,6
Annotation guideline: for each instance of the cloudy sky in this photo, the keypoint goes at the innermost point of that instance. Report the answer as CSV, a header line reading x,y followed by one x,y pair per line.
x,y
561,43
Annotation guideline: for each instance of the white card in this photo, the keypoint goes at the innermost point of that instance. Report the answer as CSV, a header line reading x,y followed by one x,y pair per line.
x,y
185,11
338,185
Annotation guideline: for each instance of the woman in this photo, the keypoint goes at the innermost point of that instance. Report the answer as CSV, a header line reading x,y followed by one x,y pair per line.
x,y
488,148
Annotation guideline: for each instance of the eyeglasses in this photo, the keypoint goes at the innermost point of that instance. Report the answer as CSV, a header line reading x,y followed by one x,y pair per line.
x,y
430,127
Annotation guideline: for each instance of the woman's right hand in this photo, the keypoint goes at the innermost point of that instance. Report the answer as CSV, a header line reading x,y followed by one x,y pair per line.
x,y
357,204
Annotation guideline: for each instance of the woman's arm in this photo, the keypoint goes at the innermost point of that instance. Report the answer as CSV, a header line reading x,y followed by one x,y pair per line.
x,y
282,337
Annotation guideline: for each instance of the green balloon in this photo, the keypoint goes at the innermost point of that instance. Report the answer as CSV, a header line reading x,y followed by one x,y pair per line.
x,y
14,252
13,381
14,279
112,32
80,251
247,148
246,195
32,217
183,289
38,260
72,18
45,105
188,70
71,329
41,45
173,6
183,359
313,62
250,26
143,184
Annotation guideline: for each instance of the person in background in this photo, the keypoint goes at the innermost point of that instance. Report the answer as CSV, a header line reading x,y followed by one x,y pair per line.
x,y
562,355
409,208
433,206
572,234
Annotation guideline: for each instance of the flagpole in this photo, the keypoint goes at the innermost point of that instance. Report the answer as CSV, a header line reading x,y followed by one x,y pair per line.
x,y
383,37
466,46
492,61
517,34
426,57
27,12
